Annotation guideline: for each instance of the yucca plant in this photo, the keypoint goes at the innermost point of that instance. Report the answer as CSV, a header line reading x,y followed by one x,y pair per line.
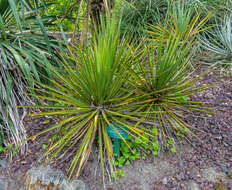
x,y
23,45
90,94
166,81
219,41
139,14
222,7
184,20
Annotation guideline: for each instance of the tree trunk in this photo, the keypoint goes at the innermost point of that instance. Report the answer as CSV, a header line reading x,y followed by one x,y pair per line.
x,y
94,9
97,7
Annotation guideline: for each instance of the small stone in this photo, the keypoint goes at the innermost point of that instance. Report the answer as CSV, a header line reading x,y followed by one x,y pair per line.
x,y
78,185
191,164
192,185
218,137
194,158
174,183
165,181
3,184
3,164
229,184
181,164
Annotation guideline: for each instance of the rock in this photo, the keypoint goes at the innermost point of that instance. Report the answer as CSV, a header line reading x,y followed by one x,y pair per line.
x,y
3,184
192,185
3,164
79,185
229,184
165,181
212,174
45,177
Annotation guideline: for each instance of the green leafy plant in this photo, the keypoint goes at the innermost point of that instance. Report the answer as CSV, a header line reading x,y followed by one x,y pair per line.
x,y
165,82
24,44
172,15
229,174
3,149
184,20
90,93
138,149
45,147
10,148
139,14
219,41
117,174
65,10
222,8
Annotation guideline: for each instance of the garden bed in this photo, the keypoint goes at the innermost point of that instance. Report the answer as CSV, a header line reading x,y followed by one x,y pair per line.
x,y
200,165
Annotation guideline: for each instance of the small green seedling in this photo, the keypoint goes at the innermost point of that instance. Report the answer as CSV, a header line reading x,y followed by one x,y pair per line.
x,y
46,121
45,147
173,149
170,144
3,149
229,174
170,141
16,148
139,148
9,148
117,174
182,131
220,186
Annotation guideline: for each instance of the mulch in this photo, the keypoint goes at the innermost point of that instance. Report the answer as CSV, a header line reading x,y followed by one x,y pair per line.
x,y
215,146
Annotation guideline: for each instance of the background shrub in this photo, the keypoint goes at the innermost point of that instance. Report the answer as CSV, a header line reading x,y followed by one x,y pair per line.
x,y
24,46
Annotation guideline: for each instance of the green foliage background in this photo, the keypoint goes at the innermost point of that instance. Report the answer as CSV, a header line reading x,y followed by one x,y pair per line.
x,y
58,8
